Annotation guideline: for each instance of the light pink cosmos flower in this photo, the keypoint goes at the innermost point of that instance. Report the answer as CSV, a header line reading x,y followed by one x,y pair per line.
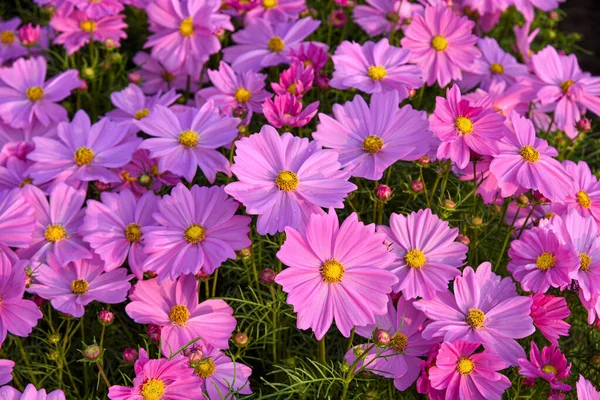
x,y
113,228
335,272
526,7
464,128
585,390
6,369
585,194
524,38
10,45
263,44
283,179
297,80
427,255
276,11
173,305
155,77
58,221
14,174
87,151
503,98
550,365
484,308
99,8
30,393
221,376
468,375
194,229
442,44
26,96
380,17
374,67
370,138
548,313
18,142
423,385
310,53
287,110
141,174
17,219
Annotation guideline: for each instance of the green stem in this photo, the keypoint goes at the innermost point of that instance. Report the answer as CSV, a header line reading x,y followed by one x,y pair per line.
x,y
104,378
214,285
322,351
275,321
527,220
506,239
425,186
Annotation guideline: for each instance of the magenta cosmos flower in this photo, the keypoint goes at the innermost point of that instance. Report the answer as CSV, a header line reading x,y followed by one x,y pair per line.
x,y
284,179
263,44
524,36
10,45
155,77
297,80
276,11
6,369
221,376
87,151
585,194
17,219
427,255
174,307
585,390
113,228
198,229
370,138
26,96
141,174
488,188
466,374
184,32
160,378
30,393
184,141
550,365
442,44
379,17
335,272
72,286
548,313
17,315
374,67
287,109
310,53
464,128
99,8
483,309
525,163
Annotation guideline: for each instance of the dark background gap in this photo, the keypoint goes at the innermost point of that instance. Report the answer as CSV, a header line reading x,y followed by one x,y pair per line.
x,y
583,16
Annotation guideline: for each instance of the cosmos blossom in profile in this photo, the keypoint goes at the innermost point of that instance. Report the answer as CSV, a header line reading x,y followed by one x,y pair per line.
x,y
550,364
548,313
30,393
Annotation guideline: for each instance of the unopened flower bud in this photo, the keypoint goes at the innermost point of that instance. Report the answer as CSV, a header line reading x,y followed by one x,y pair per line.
x,y
417,185
464,239
344,367
337,18
424,160
202,276
476,221
383,192
88,73
83,86
154,332
322,81
245,253
553,15
267,276
595,359
145,180
584,125
529,382
449,204
38,300
381,337
54,338
29,34
101,186
240,339
92,352
106,317
130,355
134,77
412,93
523,200
194,353
53,355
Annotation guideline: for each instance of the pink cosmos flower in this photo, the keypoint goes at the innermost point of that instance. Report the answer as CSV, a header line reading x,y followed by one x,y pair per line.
x,y
263,44
6,369
310,53
175,379
484,308
184,141
77,29
72,286
10,45
173,305
548,313
14,174
276,11
198,229
284,179
221,376
585,194
585,390
17,315
99,8
423,385
297,80
539,260
488,189
335,272
374,67
524,38
525,162
87,151
26,96
18,142
442,44
113,228
427,255
30,393
526,7
550,365
17,219
466,375
141,174
380,17
287,110
464,128
58,221
503,98
370,138
155,77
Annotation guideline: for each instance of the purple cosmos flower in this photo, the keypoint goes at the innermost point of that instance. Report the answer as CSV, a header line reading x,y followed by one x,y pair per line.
x,y
17,219
155,77
585,195
370,138
524,38
276,11
18,142
10,45
427,255
221,376
287,110
297,80
87,151
141,175
526,7
14,173
484,308
173,305
30,393
283,179
550,365
310,53
585,390
113,228
374,67
6,369
26,96
72,286
262,44
184,141
442,44
198,229
335,272
548,313
99,8
380,17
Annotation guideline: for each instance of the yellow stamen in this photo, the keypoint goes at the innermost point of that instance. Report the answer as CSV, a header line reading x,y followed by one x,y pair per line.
x,y
83,156
464,125
497,69
292,89
415,258
27,181
195,233
530,154
54,233
372,144
133,232
545,261
34,93
143,113
287,181
242,95
276,44
465,366
399,342
87,26
439,43
549,369
377,72
188,138
179,315
205,368
475,318
268,4
583,199
153,389
566,85
79,287
7,37
186,27
585,262
332,271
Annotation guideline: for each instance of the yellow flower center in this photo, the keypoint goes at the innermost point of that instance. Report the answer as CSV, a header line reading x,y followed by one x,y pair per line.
x,y
79,287
127,177
399,342
188,138
27,181
143,113
153,389
475,318
585,261
276,44
34,93
377,72
83,156
465,366
179,315
195,233
87,26
530,154
372,144
154,170
7,37
439,43
133,232
168,77
186,27
268,4
206,368
497,69
415,258
292,89
332,271
549,215
566,85
54,233
545,261
242,95
549,369
583,199
287,180
464,125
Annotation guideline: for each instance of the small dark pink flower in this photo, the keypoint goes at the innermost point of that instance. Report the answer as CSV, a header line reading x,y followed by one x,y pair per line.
x,y
550,365
130,355
287,110
337,18
29,34
297,80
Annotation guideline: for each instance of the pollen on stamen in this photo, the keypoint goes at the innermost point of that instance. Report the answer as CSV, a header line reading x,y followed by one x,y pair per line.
x,y
439,43
415,258
545,261
332,271
88,26
188,138
287,181
269,4
276,44
242,95
54,233
399,342
464,125
465,366
530,154
585,262
475,318
186,27
153,389
143,113
194,233
583,199
83,156
179,315
133,232
34,93
372,144
377,72
549,369
497,68
79,287
205,368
